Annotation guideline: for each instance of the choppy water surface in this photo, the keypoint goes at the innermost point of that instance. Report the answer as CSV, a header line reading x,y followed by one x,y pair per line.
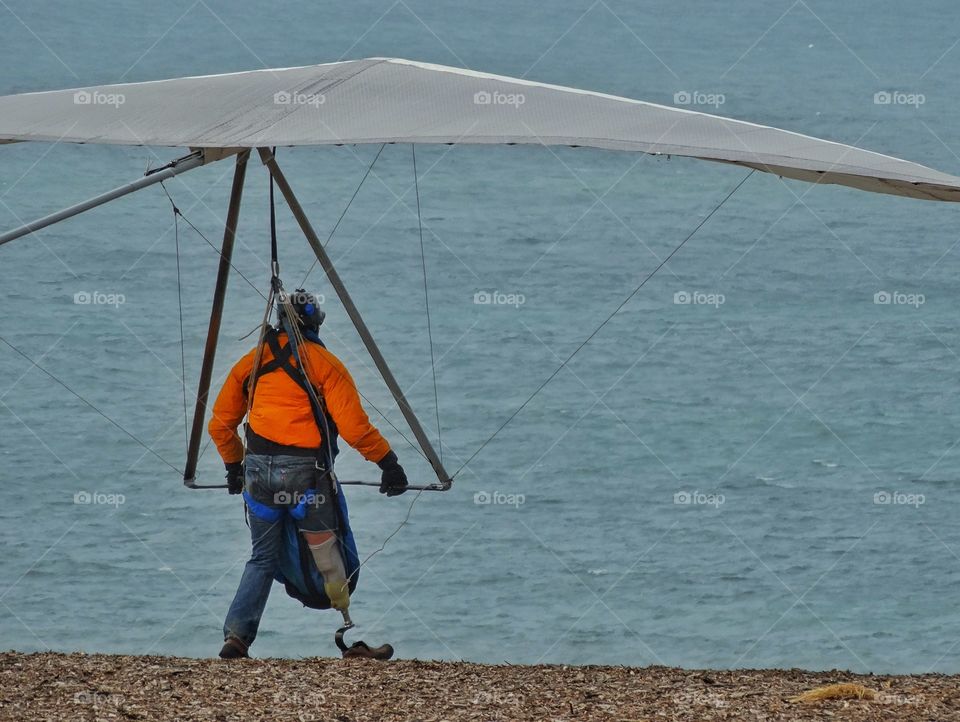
x,y
762,476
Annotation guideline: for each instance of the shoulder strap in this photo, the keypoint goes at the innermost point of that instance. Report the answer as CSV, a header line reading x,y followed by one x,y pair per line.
x,y
281,360
281,356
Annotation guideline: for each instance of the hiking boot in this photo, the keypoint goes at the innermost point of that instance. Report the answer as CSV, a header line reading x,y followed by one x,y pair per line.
x,y
233,648
362,650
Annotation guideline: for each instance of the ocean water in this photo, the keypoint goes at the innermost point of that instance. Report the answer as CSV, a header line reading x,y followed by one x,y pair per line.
x,y
765,476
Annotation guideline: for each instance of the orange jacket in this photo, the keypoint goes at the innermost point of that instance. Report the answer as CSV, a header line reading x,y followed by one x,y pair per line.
x,y
281,409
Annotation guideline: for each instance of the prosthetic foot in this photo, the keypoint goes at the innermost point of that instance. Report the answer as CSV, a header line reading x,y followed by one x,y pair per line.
x,y
326,555
360,650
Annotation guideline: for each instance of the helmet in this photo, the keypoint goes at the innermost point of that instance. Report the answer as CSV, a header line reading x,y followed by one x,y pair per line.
x,y
307,307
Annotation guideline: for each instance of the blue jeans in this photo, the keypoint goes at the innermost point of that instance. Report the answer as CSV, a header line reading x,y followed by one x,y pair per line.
x,y
278,482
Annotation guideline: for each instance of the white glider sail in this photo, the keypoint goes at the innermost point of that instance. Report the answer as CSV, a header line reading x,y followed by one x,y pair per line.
x,y
388,100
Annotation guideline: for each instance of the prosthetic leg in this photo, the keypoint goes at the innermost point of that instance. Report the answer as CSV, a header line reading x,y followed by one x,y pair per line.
x,y
326,555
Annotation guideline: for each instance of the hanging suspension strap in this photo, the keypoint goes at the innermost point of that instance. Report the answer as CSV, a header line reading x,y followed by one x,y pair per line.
x,y
274,255
275,286
282,357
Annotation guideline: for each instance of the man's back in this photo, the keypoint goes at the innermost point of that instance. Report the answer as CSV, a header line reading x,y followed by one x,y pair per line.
x,y
281,410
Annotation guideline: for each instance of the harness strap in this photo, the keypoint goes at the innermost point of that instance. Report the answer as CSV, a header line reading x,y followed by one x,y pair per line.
x,y
266,368
274,255
263,512
281,360
282,355
325,424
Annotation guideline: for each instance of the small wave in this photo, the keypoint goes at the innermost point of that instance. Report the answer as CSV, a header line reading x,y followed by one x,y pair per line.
x,y
597,572
775,481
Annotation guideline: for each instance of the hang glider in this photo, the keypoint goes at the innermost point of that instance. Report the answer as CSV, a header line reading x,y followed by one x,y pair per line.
x,y
389,100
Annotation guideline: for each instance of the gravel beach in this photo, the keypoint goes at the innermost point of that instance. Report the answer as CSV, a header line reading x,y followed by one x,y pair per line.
x,y
53,686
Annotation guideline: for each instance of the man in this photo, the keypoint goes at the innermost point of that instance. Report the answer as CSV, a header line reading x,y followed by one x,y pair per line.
x,y
283,437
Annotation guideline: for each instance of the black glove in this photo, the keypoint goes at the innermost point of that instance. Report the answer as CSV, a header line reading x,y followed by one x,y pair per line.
x,y
234,477
393,481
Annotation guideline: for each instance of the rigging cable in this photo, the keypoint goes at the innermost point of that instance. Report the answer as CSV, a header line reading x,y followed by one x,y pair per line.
x,y
220,253
88,403
183,361
265,298
426,299
391,535
604,323
273,252
349,203
433,366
